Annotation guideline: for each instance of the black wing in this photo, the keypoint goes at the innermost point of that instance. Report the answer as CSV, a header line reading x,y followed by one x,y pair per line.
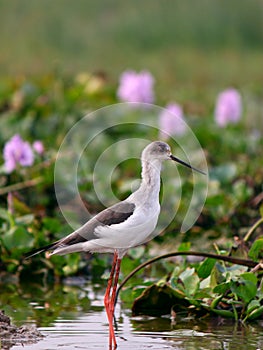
x,y
113,215
116,214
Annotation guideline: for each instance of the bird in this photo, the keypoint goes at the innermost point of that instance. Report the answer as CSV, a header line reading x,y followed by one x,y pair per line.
x,y
126,224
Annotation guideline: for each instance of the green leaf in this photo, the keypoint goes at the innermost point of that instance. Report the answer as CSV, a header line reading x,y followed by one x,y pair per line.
x,y
224,313
261,210
253,305
203,294
18,238
221,288
12,266
4,214
215,200
215,302
129,294
249,276
184,247
206,267
191,281
256,250
245,290
51,224
256,313
128,265
186,273
216,277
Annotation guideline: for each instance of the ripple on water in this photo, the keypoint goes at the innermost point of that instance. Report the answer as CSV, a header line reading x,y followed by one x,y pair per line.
x,y
73,317
90,331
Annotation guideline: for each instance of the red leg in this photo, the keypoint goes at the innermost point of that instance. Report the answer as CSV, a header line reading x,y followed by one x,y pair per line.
x,y
114,289
107,303
113,296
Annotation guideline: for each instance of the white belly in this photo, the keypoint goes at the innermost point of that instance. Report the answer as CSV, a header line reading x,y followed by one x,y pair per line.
x,y
132,232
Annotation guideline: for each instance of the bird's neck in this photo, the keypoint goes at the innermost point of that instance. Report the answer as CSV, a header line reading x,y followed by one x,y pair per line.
x,y
150,184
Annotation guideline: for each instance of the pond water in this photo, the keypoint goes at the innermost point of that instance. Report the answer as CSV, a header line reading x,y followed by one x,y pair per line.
x,y
71,316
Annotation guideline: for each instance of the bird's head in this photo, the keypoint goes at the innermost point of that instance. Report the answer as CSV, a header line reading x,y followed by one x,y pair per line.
x,y
161,151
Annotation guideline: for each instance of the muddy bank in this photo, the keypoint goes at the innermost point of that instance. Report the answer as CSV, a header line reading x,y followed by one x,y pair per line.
x,y
11,335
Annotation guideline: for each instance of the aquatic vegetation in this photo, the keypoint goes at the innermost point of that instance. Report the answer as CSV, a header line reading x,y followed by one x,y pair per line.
x,y
35,116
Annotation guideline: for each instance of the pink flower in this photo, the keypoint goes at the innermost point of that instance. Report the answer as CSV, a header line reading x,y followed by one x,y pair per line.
x,y
228,107
38,147
136,87
171,121
16,151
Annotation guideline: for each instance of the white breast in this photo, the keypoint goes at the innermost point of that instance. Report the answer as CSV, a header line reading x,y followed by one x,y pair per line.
x,y
132,232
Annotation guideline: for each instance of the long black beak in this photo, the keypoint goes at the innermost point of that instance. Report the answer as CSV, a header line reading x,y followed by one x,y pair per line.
x,y
186,164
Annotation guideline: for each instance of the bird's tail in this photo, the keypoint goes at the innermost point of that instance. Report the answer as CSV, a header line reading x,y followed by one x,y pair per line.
x,y
49,247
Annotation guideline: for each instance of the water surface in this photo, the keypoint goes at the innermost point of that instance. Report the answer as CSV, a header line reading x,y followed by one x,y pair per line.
x,y
73,317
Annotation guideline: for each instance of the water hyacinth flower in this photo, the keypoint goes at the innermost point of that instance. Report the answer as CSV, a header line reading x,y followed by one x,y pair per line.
x,y
228,107
38,147
171,121
17,151
136,87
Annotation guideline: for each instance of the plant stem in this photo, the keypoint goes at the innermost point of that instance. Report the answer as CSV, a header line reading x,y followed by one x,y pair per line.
x,y
234,260
21,185
253,228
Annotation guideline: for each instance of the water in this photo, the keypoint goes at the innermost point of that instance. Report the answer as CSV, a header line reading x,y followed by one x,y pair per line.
x,y
72,317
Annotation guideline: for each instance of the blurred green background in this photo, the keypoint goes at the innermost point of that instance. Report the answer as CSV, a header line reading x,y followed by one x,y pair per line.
x,y
61,59
193,49
185,44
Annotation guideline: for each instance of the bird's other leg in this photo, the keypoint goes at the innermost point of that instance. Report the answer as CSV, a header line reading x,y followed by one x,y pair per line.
x,y
115,284
107,303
